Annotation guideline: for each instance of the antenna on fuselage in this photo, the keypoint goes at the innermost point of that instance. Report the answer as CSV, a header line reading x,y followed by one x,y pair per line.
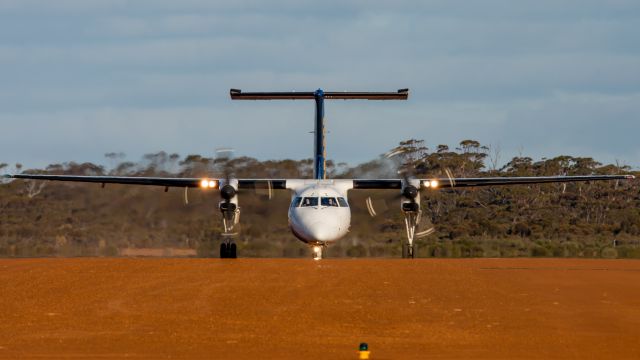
x,y
319,148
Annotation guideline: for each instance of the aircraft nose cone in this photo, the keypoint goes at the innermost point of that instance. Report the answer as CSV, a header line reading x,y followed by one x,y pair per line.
x,y
323,231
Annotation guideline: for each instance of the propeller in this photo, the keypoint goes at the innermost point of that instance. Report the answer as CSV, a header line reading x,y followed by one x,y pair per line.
x,y
404,160
5,179
226,164
264,189
223,161
228,189
404,168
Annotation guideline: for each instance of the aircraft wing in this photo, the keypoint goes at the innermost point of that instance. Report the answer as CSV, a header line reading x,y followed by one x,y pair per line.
x,y
278,184
155,181
441,183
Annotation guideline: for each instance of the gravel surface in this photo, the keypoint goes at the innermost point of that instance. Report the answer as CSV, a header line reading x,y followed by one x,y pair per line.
x,y
302,309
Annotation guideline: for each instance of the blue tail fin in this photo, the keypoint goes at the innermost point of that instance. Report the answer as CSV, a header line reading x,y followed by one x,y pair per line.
x,y
319,155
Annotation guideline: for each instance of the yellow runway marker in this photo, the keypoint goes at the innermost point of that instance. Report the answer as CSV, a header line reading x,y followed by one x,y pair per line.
x,y
364,351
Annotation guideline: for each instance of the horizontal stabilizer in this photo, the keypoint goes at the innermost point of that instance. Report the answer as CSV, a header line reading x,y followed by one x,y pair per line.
x,y
237,94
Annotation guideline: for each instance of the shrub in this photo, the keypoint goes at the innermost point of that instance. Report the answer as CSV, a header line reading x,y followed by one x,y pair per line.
x,y
609,253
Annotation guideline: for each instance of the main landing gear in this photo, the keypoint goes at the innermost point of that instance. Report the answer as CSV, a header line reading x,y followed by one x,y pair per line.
x,y
230,218
228,250
412,215
412,219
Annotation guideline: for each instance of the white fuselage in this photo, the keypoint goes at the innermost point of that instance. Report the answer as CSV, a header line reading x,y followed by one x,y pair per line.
x,y
319,212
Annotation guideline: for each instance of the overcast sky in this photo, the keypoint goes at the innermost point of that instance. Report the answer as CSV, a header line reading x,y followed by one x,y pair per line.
x,y
80,78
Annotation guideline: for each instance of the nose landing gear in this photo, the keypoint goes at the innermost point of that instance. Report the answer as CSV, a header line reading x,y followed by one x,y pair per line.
x,y
317,252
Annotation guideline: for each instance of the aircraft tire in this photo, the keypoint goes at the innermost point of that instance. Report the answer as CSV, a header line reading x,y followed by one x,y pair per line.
x,y
224,251
233,251
405,251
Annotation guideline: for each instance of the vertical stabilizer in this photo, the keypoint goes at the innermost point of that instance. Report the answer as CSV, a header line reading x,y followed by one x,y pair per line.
x,y
319,146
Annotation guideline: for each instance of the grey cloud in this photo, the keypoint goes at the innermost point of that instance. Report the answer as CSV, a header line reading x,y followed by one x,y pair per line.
x,y
486,70
602,126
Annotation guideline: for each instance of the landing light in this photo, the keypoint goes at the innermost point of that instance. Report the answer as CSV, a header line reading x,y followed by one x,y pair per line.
x,y
434,183
208,184
317,252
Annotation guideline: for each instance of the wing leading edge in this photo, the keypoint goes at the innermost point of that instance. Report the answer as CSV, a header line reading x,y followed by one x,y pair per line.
x,y
442,183
153,181
281,184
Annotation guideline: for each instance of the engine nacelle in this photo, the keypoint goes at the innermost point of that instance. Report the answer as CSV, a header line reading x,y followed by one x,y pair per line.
x,y
410,207
228,204
228,207
410,195
229,192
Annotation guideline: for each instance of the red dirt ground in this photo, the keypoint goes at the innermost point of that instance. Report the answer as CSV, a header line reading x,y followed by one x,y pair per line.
x,y
301,309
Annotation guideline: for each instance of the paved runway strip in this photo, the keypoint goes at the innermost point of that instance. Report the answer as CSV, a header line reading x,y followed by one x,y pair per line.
x,y
298,309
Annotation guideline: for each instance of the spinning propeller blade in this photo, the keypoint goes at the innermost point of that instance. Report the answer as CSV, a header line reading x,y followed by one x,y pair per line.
x,y
407,169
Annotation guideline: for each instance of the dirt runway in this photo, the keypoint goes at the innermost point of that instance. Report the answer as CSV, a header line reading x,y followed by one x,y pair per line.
x,y
301,309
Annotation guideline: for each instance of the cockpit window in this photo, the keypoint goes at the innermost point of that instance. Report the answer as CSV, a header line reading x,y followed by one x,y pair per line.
x,y
309,201
296,202
342,202
328,201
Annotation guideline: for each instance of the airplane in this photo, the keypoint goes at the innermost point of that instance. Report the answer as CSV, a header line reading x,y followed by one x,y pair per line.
x,y
319,214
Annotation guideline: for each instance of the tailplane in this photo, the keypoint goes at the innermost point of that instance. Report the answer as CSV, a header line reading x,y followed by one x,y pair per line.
x,y
319,147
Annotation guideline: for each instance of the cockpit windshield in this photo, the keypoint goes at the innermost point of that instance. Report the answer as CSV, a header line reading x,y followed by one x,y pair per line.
x,y
324,201
309,201
328,201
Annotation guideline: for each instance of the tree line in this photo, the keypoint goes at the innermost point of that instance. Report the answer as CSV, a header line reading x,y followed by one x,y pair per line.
x,y
596,219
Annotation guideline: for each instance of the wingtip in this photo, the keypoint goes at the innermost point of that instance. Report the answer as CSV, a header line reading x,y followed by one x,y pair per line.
x,y
6,178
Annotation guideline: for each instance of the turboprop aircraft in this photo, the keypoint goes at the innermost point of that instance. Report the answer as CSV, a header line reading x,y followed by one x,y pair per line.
x,y
319,213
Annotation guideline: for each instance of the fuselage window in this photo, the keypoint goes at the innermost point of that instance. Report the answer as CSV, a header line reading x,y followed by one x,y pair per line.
x,y
296,202
309,201
342,202
328,201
